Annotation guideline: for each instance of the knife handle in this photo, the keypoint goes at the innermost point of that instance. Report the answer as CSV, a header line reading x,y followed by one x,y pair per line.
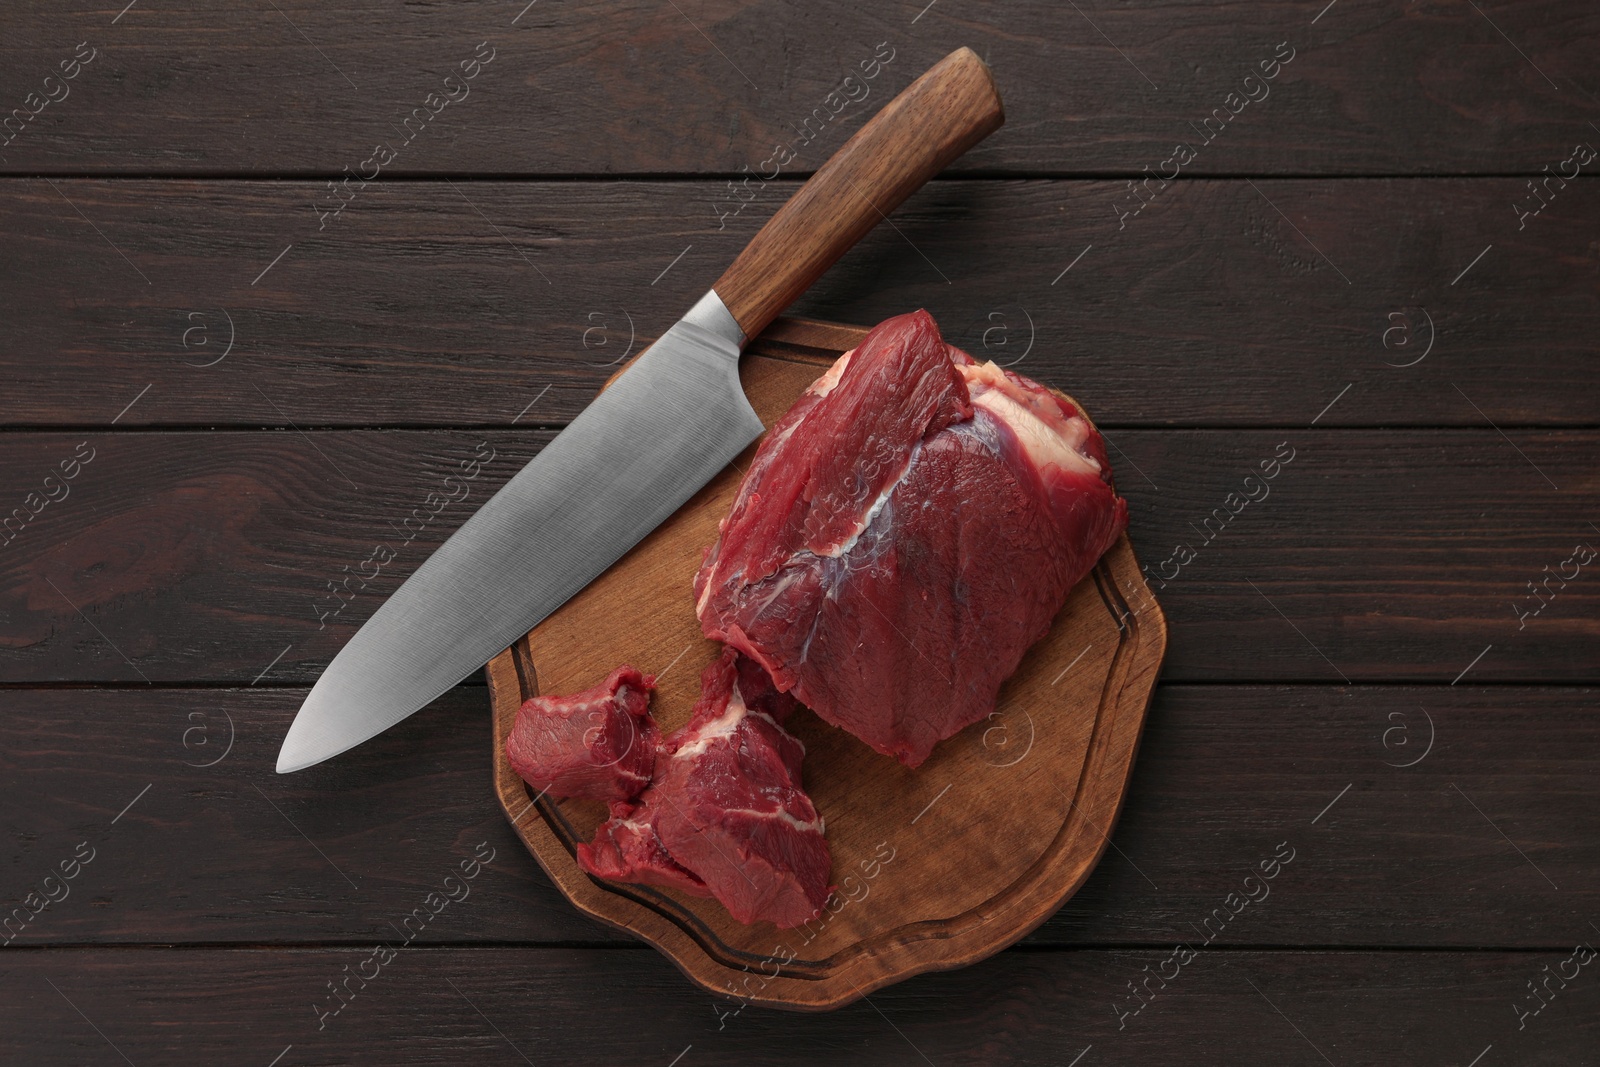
x,y
939,116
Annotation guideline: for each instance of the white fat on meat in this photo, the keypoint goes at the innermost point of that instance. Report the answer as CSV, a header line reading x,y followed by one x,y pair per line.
x,y
782,816
778,588
819,388
830,377
724,726
705,594
872,511
1048,436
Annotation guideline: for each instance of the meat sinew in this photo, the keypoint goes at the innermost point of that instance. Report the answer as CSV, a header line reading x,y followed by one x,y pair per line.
x,y
905,533
726,815
599,744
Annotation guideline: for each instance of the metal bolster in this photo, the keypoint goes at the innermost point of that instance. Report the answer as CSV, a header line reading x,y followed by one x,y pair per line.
x,y
712,315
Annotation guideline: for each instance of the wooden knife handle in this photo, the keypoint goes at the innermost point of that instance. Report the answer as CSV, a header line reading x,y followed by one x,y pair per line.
x,y
939,116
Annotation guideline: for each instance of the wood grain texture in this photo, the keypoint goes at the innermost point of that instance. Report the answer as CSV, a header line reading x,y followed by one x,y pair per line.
x,y
220,848
599,89
499,1005
936,118
425,304
1393,556
1025,838
1396,550
1224,774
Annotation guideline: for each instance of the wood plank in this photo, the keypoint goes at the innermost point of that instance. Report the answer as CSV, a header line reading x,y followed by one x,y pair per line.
x,y
278,541
427,304
1408,856
1458,845
234,852
514,1005
1392,556
587,88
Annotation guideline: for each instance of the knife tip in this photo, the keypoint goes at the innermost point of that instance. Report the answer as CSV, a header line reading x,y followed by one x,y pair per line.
x,y
293,754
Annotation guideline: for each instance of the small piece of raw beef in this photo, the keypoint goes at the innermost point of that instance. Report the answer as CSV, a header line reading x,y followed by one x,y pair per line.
x,y
599,744
626,849
726,814
905,533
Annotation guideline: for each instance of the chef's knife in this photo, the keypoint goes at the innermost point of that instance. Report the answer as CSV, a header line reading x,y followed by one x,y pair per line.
x,y
662,429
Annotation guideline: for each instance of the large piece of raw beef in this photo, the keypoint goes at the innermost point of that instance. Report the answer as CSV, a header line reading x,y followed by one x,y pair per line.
x,y
726,815
904,534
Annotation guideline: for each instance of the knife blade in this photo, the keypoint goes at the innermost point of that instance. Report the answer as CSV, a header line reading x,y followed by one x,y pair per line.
x,y
659,431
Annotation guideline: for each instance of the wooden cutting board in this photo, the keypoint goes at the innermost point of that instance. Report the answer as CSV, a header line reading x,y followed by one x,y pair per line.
x,y
936,867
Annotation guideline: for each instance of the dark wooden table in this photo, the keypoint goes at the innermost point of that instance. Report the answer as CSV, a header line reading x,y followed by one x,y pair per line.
x,y
242,349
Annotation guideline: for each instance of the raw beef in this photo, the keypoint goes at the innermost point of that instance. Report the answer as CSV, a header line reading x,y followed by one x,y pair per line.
x,y
626,849
726,815
599,744
904,534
